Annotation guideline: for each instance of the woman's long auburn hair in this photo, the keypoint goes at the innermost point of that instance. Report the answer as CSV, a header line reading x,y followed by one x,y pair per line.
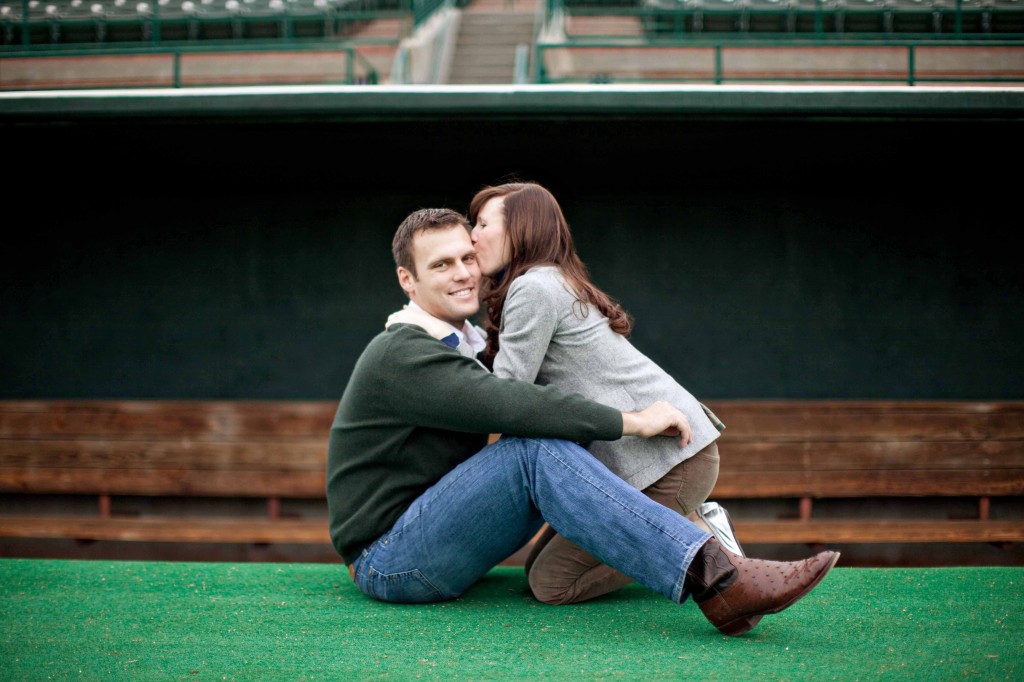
x,y
538,234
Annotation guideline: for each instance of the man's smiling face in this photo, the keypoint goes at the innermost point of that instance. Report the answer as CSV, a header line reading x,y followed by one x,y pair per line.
x,y
447,278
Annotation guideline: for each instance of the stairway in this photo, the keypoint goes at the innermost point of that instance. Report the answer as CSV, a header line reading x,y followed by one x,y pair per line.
x,y
489,33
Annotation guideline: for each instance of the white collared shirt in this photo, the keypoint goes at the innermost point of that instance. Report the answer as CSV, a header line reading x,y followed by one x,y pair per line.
x,y
470,333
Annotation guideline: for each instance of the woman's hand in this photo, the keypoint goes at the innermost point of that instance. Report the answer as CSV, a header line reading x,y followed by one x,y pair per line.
x,y
657,419
420,318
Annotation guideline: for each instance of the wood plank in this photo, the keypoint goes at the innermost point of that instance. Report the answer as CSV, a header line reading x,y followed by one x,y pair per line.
x,y
841,456
316,531
746,420
173,482
826,406
869,420
864,531
868,483
305,454
223,420
312,454
185,529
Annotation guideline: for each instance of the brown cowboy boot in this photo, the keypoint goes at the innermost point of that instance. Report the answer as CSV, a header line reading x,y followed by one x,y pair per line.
x,y
734,592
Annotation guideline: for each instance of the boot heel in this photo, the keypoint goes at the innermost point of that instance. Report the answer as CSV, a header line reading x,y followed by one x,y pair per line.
x,y
740,625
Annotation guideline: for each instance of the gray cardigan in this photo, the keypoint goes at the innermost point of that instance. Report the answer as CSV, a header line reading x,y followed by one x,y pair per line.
x,y
548,337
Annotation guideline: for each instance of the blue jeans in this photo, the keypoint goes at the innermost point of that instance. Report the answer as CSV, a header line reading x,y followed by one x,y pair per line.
x,y
493,503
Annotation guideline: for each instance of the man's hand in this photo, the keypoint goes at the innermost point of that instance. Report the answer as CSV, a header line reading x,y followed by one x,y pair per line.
x,y
658,419
422,319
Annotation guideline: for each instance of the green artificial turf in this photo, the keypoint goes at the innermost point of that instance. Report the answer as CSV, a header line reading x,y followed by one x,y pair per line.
x,y
212,621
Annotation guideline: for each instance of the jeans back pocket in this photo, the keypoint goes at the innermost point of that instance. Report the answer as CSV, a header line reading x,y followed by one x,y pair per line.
x,y
407,587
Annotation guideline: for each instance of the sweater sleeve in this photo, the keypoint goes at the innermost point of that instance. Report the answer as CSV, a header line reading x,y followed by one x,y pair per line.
x,y
528,323
433,386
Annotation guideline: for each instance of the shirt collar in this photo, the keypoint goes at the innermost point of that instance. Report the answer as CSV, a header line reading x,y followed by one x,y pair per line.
x,y
469,332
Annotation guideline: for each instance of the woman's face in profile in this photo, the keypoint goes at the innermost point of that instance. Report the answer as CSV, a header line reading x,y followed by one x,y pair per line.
x,y
492,248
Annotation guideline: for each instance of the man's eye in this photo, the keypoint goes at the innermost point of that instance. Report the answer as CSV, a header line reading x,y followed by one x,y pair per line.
x,y
469,259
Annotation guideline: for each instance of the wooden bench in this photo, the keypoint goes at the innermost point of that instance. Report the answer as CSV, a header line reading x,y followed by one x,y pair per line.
x,y
814,451
189,449
805,452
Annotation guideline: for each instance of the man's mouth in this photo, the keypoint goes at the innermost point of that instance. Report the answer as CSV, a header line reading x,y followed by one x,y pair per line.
x,y
462,293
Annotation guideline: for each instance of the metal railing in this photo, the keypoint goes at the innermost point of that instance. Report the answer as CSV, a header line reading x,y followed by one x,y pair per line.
x,y
718,74
821,19
71,24
367,75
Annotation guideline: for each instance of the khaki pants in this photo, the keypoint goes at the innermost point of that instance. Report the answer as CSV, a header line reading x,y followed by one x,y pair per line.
x,y
560,572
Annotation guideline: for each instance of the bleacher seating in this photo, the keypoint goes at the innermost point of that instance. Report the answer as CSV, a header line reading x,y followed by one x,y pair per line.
x,y
52,22
862,18
818,458
770,16
695,41
916,16
1007,16
151,21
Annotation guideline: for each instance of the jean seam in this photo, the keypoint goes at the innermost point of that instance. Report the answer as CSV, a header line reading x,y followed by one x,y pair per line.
x,y
593,483
677,589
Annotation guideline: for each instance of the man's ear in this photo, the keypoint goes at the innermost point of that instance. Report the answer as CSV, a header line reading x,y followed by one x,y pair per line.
x,y
406,280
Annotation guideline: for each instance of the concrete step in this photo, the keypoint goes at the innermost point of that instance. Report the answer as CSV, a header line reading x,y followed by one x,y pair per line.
x,y
479,48
502,79
474,54
509,7
491,37
485,49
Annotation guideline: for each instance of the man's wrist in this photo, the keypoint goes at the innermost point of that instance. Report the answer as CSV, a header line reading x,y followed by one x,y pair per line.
x,y
630,424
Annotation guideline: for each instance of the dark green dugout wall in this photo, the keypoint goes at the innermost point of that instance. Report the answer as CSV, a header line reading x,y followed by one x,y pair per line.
x,y
768,248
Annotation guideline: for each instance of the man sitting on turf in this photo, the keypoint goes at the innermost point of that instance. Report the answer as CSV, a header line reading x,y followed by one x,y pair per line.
x,y
421,507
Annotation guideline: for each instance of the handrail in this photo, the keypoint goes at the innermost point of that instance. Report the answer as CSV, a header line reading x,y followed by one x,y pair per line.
x,y
176,53
400,66
442,39
422,9
719,77
520,71
430,43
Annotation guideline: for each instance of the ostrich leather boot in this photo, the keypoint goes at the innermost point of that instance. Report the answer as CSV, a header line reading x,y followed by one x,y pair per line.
x,y
734,592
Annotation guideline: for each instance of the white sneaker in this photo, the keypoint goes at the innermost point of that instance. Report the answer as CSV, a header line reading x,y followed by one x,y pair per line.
x,y
717,519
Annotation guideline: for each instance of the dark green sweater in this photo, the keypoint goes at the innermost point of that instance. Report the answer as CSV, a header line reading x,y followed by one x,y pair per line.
x,y
414,409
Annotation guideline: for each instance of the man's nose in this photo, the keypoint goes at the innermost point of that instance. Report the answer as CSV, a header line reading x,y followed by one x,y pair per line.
x,y
461,271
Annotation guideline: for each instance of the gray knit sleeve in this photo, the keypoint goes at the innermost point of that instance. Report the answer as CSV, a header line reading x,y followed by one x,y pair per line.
x,y
528,323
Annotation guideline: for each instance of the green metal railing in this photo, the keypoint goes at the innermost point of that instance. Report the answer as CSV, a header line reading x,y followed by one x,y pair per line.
x,y
292,26
422,9
367,75
825,19
720,76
